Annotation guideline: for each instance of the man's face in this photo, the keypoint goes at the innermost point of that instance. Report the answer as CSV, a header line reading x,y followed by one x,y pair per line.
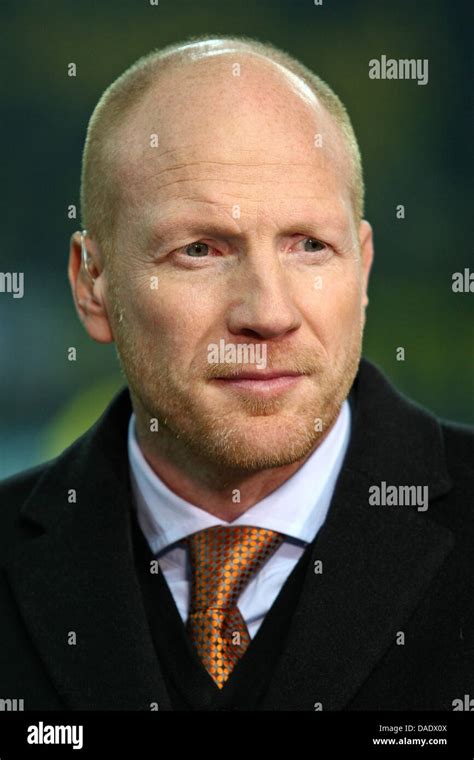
x,y
236,229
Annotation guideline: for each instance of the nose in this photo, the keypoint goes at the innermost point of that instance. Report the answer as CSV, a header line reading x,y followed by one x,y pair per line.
x,y
262,302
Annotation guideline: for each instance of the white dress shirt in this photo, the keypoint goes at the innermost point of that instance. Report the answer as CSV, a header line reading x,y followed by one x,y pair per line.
x,y
298,508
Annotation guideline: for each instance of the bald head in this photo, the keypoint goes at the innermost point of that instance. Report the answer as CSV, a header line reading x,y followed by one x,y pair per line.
x,y
213,98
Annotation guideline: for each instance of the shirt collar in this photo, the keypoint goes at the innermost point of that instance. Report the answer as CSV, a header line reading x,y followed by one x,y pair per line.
x,y
297,508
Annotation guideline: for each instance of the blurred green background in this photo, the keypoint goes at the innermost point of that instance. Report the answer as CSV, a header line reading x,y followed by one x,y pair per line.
x,y
417,150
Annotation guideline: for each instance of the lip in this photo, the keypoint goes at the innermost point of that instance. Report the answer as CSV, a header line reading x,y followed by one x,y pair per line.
x,y
262,375
263,383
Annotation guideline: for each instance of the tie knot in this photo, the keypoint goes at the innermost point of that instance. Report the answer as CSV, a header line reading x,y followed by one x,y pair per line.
x,y
223,560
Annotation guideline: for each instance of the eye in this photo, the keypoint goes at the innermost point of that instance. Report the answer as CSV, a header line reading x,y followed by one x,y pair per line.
x,y
311,245
197,249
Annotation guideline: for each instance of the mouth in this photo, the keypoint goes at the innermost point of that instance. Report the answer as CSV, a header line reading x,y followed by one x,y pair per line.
x,y
261,383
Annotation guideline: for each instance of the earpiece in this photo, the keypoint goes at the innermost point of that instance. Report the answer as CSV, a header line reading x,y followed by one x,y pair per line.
x,y
85,255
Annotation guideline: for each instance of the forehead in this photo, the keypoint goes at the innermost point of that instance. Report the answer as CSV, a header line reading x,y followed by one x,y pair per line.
x,y
204,134
196,184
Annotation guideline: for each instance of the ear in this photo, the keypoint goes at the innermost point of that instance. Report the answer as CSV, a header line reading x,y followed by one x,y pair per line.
x,y
367,255
88,289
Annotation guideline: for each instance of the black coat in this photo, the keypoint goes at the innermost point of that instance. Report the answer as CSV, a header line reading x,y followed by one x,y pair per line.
x,y
387,570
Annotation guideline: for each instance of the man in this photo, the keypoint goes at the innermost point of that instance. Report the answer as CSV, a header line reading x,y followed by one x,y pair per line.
x,y
259,520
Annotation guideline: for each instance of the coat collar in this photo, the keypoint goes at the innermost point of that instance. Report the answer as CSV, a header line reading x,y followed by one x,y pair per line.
x,y
78,575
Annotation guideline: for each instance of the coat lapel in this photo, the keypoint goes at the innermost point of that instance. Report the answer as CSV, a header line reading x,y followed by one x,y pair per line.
x,y
377,561
77,578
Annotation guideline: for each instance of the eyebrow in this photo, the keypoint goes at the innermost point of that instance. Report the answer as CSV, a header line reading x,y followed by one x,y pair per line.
x,y
185,225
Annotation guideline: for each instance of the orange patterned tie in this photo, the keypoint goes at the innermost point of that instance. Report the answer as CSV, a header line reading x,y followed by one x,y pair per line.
x,y
223,560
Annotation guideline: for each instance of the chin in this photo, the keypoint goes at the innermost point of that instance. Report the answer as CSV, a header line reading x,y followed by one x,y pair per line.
x,y
281,444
